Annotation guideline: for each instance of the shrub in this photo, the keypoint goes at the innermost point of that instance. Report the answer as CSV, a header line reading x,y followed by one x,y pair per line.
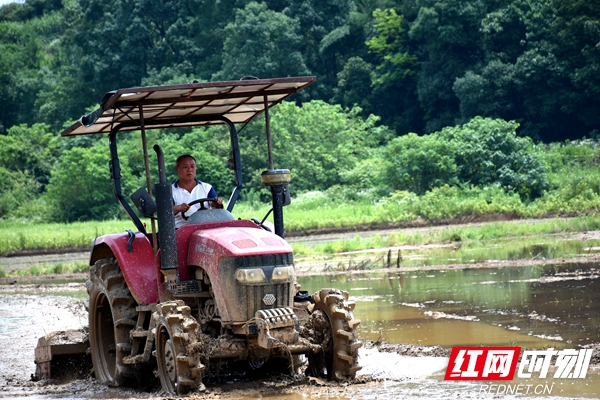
x,y
419,163
488,151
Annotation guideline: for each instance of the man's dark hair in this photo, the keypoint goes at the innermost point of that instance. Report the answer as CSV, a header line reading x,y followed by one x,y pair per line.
x,y
181,157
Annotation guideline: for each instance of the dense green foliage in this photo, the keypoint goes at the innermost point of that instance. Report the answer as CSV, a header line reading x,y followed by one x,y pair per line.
x,y
335,157
420,65
475,80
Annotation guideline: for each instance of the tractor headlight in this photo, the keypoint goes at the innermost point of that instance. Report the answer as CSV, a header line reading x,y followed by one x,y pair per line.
x,y
249,276
283,274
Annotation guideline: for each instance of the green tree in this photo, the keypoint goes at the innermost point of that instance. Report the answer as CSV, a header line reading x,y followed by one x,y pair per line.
x,y
447,40
318,142
488,152
25,51
17,188
27,157
395,76
389,44
354,85
576,34
261,43
80,187
331,32
419,163
33,149
536,68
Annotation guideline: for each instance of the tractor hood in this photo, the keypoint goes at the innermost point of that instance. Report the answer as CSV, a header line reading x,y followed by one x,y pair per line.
x,y
191,104
234,242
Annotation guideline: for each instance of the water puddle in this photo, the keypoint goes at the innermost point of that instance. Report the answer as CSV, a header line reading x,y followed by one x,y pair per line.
x,y
530,307
534,306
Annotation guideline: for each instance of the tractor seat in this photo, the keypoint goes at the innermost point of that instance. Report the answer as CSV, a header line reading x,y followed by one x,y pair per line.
x,y
210,215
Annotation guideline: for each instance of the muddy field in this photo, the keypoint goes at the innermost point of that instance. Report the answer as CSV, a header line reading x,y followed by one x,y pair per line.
x,y
30,311
390,371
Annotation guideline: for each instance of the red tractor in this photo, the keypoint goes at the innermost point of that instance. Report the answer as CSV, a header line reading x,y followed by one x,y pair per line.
x,y
218,288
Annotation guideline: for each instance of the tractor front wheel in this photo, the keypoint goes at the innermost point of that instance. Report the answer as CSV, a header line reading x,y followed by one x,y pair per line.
x,y
177,348
332,325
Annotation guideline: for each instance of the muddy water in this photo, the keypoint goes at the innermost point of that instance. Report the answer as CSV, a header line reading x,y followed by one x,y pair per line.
x,y
530,250
534,306
531,307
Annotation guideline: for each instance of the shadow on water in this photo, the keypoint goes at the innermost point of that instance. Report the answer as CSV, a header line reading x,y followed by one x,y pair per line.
x,y
533,306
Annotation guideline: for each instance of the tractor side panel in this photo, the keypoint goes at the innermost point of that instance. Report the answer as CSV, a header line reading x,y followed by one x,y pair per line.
x,y
137,266
206,248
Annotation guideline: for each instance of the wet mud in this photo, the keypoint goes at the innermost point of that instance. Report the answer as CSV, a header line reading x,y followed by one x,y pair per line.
x,y
411,317
389,370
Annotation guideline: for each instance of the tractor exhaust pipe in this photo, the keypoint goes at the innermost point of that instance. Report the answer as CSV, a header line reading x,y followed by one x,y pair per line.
x,y
166,221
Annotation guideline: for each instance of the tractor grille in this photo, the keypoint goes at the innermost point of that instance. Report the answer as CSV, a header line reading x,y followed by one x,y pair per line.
x,y
263,260
256,294
260,296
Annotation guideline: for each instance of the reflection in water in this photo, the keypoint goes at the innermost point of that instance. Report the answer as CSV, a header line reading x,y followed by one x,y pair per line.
x,y
468,252
498,250
534,306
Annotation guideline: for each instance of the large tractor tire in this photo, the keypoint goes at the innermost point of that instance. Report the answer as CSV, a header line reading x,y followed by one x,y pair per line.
x,y
332,325
112,316
177,348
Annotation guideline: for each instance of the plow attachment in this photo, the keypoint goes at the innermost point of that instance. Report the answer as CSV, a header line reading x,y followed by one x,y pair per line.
x,y
62,354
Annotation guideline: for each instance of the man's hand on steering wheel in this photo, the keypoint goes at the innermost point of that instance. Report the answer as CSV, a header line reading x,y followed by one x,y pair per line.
x,y
184,207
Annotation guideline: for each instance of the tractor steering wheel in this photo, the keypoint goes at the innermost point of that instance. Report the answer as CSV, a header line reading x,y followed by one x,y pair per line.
x,y
202,206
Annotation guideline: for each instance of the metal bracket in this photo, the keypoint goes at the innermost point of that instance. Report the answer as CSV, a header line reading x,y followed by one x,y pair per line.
x,y
130,241
276,326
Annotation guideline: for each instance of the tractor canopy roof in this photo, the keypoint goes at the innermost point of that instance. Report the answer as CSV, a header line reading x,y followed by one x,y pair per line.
x,y
190,104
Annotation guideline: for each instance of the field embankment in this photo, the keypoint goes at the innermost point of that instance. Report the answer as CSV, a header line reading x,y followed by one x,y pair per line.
x,y
493,240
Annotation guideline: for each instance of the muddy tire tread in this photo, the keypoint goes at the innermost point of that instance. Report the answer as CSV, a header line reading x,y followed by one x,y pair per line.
x,y
344,355
107,282
173,321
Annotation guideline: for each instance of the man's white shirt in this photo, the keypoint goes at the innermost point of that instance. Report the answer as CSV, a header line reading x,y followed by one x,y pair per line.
x,y
180,196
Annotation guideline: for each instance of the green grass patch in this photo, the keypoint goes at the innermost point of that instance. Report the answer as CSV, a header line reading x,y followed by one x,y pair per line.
x,y
22,235
47,269
475,232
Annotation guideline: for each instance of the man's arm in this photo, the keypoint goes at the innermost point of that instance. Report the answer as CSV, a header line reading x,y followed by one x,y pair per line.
x,y
213,194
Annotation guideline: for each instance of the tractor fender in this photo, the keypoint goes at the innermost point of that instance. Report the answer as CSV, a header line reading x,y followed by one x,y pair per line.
x,y
137,265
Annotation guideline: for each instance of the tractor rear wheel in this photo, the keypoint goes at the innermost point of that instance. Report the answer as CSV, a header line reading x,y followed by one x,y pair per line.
x,y
112,315
177,348
332,325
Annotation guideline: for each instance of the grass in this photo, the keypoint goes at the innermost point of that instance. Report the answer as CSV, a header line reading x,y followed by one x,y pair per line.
x,y
474,236
46,269
51,269
472,232
303,214
21,235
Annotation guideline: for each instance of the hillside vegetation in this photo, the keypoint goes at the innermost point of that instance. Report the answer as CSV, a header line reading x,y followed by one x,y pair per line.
x,y
420,65
423,109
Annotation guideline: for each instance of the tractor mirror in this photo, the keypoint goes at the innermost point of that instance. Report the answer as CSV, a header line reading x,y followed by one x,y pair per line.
x,y
143,201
